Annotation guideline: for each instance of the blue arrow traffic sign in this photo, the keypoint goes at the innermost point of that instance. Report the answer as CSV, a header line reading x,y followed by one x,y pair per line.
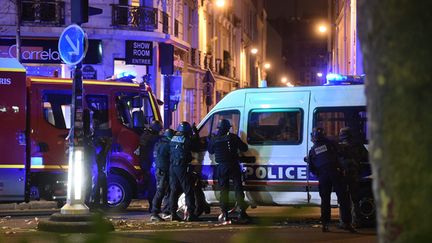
x,y
71,44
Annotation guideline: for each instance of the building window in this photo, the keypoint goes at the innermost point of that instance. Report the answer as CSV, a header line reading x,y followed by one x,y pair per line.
x,y
190,104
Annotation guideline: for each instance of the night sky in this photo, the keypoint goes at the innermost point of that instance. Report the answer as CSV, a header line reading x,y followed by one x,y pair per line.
x,y
287,9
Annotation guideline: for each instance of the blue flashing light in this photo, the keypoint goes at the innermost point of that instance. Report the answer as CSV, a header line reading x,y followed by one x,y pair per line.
x,y
337,79
126,74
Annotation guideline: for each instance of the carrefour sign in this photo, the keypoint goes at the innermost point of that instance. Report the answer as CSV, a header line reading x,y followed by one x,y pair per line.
x,y
46,51
32,54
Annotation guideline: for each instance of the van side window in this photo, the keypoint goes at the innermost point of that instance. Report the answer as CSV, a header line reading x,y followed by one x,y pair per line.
x,y
275,126
57,108
332,119
210,126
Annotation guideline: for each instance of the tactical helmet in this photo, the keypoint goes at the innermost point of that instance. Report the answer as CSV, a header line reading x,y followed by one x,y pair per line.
x,y
184,127
224,124
317,134
345,133
169,133
156,126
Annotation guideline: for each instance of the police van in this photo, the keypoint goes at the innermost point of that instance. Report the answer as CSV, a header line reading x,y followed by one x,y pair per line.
x,y
276,124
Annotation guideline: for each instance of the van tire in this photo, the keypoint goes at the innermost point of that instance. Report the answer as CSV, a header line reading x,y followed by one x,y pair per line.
x,y
119,192
367,208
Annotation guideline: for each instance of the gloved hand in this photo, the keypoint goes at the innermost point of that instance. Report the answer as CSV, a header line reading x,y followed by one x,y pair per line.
x,y
194,128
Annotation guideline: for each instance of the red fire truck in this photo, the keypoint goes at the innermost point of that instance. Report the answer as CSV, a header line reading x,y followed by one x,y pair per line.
x,y
35,120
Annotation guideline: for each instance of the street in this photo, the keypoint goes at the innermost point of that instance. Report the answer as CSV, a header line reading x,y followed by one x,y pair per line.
x,y
276,224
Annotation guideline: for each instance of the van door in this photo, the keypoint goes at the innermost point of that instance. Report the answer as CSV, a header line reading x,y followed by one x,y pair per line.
x,y
12,134
276,131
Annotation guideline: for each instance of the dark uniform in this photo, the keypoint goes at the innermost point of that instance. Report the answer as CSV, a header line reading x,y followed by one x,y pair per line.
x,y
225,146
162,156
323,162
102,140
352,153
147,143
181,146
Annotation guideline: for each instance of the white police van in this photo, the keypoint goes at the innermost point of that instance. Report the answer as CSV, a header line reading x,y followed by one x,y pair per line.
x,y
276,124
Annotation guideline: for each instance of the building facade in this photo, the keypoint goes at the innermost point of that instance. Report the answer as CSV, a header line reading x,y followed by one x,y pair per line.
x,y
170,42
345,52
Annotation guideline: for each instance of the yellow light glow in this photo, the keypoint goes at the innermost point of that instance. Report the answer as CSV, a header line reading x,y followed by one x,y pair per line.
x,y
322,28
220,3
289,84
254,51
267,65
284,80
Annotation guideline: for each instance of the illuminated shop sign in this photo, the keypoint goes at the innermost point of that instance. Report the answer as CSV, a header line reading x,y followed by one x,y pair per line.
x,y
46,51
139,52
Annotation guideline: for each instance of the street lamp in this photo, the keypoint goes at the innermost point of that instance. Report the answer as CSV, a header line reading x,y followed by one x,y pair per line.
x,y
284,80
267,65
322,28
254,51
220,3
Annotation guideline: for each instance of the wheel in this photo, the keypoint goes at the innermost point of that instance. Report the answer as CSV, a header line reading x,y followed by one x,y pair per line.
x,y
367,208
119,192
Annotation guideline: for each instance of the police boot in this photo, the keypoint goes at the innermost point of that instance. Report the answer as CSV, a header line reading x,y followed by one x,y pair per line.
x,y
207,209
156,218
243,217
348,227
202,209
325,228
191,217
175,217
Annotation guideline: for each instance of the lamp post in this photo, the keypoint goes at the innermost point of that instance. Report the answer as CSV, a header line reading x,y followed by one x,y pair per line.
x,y
323,29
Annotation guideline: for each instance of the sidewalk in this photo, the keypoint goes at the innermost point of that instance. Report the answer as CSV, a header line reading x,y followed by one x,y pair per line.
x,y
32,207
44,207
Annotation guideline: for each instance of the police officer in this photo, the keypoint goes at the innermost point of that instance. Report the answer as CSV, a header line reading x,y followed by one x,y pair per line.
x,y
225,146
162,156
102,139
181,146
351,154
147,142
323,162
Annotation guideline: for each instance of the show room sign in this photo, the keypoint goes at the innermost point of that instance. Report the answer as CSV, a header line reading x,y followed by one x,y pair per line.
x,y
139,52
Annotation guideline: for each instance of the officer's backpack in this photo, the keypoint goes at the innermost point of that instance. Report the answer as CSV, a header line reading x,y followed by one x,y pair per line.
x,y
178,153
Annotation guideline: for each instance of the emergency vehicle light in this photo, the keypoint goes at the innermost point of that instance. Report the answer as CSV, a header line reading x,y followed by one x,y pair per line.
x,y
338,79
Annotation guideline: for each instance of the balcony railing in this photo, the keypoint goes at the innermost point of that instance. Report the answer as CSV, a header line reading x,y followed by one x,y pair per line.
x,y
43,12
136,18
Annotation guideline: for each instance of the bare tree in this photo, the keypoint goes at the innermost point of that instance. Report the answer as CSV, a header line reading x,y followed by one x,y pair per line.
x,y
396,43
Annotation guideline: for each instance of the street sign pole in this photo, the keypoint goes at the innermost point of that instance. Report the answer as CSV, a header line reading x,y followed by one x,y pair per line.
x,y
76,193
72,48
75,215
